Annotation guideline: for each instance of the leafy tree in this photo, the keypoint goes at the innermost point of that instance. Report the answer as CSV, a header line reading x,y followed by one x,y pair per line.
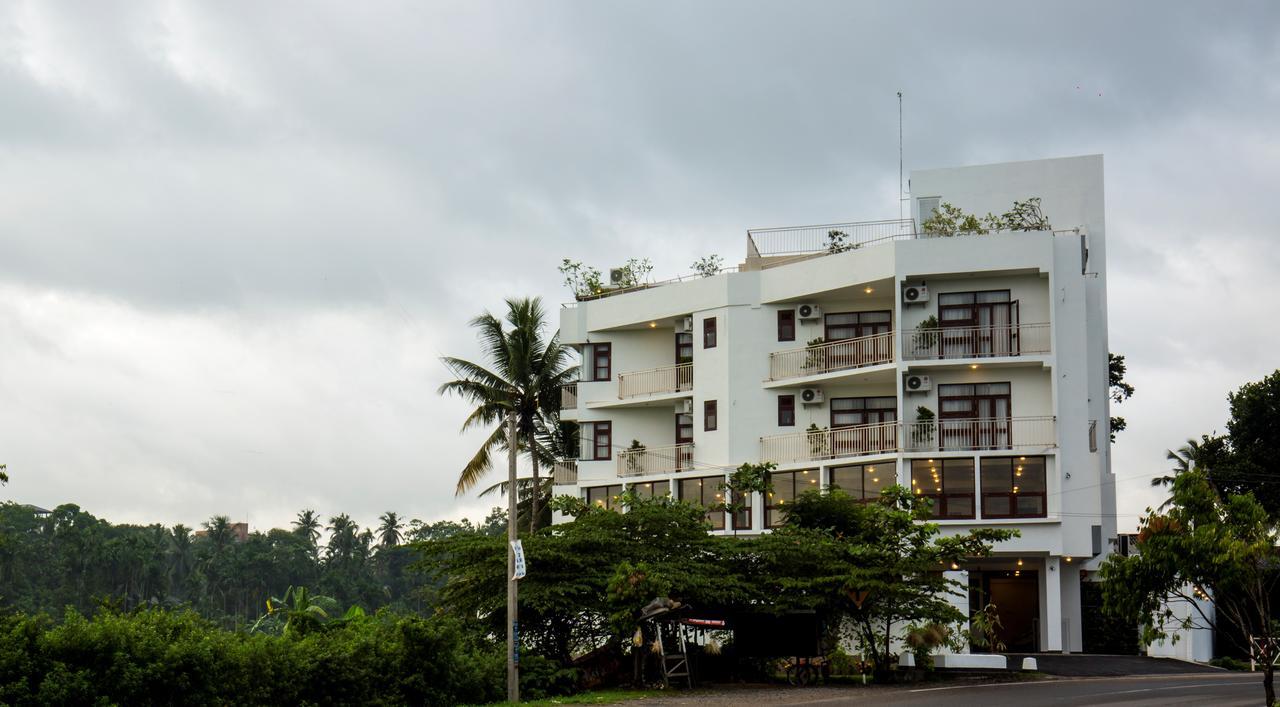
x,y
708,266
308,525
1205,455
741,486
389,531
4,476
1206,549
1120,391
949,220
1254,431
525,373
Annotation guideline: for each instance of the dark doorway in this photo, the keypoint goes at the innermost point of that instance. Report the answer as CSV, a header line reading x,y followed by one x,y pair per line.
x,y
1016,596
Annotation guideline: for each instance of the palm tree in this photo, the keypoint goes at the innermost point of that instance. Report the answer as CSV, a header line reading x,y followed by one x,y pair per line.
x,y
524,376
181,558
218,530
1192,455
342,536
307,525
389,531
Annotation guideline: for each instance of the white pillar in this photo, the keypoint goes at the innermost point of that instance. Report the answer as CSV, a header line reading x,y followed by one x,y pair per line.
x,y
1073,629
959,596
1051,631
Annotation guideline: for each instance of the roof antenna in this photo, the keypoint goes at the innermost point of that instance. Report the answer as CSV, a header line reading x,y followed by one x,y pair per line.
x,y
901,193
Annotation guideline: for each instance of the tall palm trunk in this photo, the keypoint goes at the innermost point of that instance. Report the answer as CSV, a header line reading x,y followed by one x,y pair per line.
x,y
537,487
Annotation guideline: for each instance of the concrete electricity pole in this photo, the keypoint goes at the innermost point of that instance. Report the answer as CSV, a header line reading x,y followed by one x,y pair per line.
x,y
513,624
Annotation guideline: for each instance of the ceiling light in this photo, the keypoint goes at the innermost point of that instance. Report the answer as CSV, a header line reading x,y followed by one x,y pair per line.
x,y
973,366
653,325
868,290
1019,561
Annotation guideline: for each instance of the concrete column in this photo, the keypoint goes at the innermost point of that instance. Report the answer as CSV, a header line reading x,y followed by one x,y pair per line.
x,y
959,598
1051,615
1073,630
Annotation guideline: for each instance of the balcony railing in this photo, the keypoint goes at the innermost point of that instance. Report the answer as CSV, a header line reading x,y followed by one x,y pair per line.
x,y
975,342
569,396
832,356
977,434
655,460
668,379
893,437
780,245
856,441
565,472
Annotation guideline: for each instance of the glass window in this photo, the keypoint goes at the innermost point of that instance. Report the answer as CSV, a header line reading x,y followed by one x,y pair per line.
x,y
1013,487
863,411
786,411
605,496
851,325
709,415
684,347
864,482
709,333
705,491
684,428
651,489
787,487
601,361
786,325
948,482
602,440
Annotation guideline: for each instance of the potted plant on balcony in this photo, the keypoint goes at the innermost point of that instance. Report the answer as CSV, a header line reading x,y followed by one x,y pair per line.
x,y
708,266
635,458
925,338
819,442
922,432
815,356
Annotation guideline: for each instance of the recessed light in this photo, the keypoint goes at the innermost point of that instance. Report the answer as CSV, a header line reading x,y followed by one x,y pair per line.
x,y
868,290
973,366
653,325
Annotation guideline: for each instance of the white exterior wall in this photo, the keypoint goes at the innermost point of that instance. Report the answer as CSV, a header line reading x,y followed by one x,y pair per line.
x,y
1042,271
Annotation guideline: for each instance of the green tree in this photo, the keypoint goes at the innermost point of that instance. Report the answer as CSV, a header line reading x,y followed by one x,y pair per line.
x,y
524,373
4,476
1205,550
181,559
1119,390
389,534
1254,432
308,525
1206,454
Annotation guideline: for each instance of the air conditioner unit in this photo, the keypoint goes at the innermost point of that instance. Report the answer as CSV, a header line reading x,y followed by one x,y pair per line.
x,y
812,396
684,325
917,384
912,294
617,276
809,311
684,407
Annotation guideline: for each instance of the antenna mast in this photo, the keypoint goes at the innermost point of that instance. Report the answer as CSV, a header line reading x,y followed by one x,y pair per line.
x,y
900,191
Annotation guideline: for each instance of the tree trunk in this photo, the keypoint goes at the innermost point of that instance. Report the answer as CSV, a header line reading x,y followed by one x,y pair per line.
x,y
537,486
1268,673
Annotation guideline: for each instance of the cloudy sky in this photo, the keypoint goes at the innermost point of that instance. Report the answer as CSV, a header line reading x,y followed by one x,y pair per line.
x,y
236,237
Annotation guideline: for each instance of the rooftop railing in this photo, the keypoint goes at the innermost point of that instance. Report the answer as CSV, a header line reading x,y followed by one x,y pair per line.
x,y
777,246
645,461
975,342
831,356
655,381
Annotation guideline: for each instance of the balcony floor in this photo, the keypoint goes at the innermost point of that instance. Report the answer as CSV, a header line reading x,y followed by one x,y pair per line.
x,y
880,373
958,364
654,400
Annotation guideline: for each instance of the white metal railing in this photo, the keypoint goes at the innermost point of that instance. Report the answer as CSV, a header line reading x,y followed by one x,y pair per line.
x,y
565,472
831,356
825,239
668,379
856,441
655,460
975,341
569,396
976,434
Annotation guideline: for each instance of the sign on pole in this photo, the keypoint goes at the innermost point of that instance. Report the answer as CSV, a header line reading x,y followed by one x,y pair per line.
x,y
518,549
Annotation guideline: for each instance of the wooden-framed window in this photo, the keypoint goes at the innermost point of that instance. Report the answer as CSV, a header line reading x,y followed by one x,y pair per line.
x,y
980,323
608,497
948,482
684,428
742,519
847,412
864,482
786,411
601,441
858,425
705,491
710,416
1014,487
838,326
975,416
684,347
786,325
599,362
787,487
651,489
709,333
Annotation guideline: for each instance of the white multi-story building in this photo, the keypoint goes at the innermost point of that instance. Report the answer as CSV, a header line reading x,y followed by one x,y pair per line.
x,y
972,369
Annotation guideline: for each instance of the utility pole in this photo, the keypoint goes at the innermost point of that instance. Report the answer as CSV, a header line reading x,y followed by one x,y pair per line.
x,y
513,619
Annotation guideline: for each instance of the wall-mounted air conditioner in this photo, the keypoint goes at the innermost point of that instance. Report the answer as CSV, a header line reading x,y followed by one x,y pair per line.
x,y
809,311
684,407
914,294
617,276
917,384
684,325
812,396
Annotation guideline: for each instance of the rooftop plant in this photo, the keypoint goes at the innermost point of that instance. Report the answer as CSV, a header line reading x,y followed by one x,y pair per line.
x,y
948,220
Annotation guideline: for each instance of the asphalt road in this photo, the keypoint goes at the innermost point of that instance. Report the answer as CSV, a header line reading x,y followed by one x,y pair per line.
x,y
1217,689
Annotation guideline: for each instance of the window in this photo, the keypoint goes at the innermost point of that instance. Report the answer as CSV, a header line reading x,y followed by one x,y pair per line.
x,y
927,205
598,363
705,491
651,489
709,417
601,441
786,411
851,325
978,324
974,416
787,487
857,425
948,482
684,347
684,428
864,481
709,333
1013,487
786,325
846,412
608,497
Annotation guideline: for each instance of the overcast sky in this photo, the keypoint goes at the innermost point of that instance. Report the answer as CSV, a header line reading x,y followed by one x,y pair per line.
x,y
236,237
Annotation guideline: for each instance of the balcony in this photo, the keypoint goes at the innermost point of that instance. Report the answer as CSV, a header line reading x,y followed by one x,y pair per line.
x,y
656,381
831,357
950,343
981,434
655,460
964,435
565,473
569,396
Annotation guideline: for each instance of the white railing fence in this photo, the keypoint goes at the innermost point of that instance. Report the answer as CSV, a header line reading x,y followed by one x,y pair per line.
x,y
977,434
667,379
831,356
975,342
565,472
569,396
655,460
859,440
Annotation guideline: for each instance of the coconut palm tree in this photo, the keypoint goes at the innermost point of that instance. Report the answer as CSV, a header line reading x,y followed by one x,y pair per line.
x,y
389,531
524,373
218,530
181,558
343,539
1192,455
308,526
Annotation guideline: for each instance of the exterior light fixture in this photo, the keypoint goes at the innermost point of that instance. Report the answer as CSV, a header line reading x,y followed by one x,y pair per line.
x,y
653,325
1068,559
973,366
954,566
1019,561
868,290
1017,573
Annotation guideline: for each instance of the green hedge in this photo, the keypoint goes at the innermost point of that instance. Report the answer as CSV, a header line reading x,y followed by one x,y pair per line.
x,y
158,657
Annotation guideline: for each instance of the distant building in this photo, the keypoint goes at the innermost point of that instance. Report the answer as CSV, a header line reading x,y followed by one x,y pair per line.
x,y
37,511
